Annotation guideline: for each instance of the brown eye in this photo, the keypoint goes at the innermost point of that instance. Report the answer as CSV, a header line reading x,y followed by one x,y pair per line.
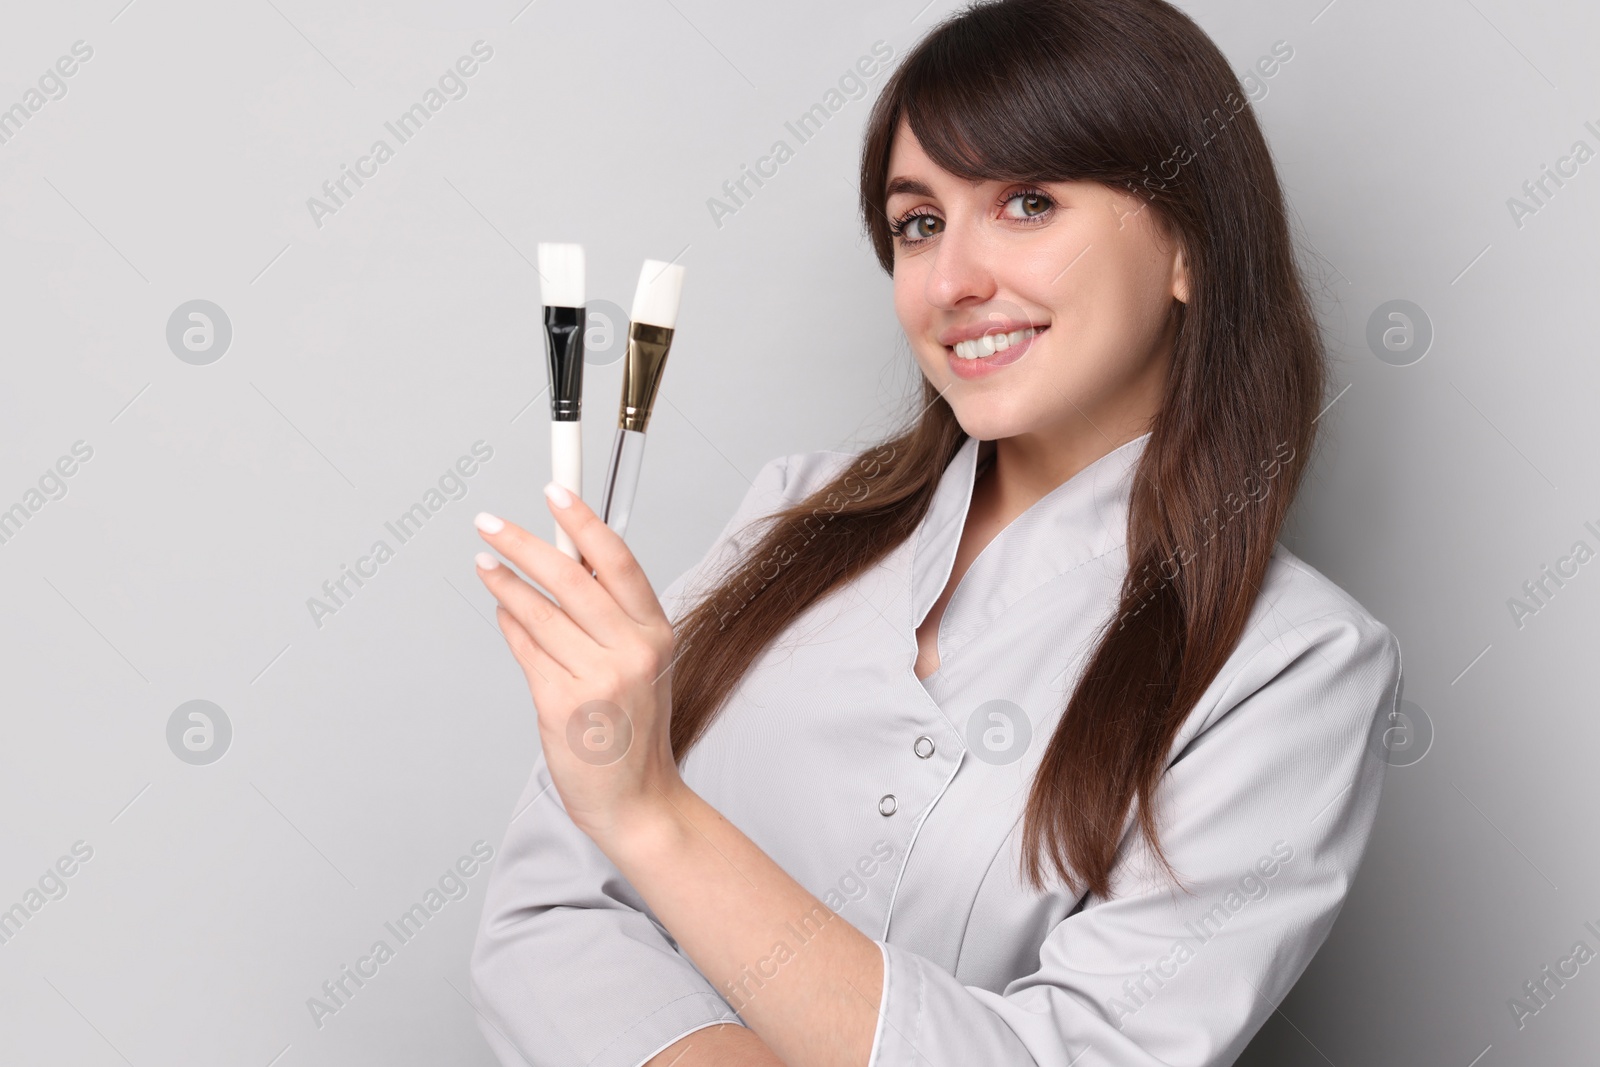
x,y
914,229
1031,205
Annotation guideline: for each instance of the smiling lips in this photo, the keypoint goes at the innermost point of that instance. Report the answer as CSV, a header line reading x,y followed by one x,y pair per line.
x,y
975,357
990,343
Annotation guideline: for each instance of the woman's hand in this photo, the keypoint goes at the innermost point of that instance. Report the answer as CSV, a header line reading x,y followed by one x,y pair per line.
x,y
597,659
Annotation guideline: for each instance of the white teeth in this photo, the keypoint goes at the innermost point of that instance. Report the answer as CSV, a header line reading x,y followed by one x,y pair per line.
x,y
990,343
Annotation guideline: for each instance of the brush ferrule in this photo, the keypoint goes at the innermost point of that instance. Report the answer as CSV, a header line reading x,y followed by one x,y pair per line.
x,y
641,375
563,347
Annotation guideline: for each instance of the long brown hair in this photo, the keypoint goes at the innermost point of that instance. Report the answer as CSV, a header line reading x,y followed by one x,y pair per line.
x,y
1134,95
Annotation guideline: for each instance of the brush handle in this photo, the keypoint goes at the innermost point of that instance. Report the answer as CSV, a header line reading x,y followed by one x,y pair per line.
x,y
566,469
622,478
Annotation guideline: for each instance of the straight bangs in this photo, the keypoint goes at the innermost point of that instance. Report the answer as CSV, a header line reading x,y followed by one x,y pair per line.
x,y
976,104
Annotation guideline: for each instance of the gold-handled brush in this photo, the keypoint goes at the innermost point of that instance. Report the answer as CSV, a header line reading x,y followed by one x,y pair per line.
x,y
655,315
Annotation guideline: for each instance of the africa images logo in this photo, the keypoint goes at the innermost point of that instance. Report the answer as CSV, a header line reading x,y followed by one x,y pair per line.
x,y
452,885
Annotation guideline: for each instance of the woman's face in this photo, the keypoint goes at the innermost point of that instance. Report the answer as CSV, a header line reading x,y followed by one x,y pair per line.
x,y
1085,272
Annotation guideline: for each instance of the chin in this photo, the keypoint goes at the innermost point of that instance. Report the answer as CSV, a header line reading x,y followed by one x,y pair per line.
x,y
987,421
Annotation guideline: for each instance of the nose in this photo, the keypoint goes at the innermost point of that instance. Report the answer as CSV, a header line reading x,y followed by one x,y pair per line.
x,y
962,271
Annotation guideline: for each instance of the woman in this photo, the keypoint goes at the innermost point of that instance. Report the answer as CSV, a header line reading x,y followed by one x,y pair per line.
x,y
1028,695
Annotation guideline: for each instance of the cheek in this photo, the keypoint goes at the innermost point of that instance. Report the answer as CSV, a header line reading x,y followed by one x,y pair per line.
x,y
1099,327
1052,264
1145,269
908,286
911,306
1112,300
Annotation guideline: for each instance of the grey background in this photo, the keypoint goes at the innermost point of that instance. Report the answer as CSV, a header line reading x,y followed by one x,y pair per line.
x,y
371,352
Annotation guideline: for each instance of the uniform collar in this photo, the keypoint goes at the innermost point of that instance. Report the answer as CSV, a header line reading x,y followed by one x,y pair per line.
x,y
1084,517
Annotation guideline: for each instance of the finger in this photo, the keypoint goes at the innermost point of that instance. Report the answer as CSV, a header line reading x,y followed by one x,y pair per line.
x,y
584,600
613,561
527,650
549,627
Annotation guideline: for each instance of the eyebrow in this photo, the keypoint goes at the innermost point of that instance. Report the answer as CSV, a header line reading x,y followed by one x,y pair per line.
x,y
906,185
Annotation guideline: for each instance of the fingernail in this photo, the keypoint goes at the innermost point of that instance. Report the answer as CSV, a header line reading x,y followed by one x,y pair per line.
x,y
488,523
486,561
558,494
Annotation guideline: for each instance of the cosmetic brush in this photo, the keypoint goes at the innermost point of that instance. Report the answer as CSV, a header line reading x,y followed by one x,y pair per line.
x,y
655,315
561,291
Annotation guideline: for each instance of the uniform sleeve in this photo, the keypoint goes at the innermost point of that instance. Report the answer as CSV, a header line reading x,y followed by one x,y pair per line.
x,y
570,968
1265,813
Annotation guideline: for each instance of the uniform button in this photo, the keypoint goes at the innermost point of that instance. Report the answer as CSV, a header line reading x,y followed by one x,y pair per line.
x,y
923,747
887,804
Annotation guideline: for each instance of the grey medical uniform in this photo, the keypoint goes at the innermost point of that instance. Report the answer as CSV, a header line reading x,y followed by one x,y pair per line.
x,y
899,803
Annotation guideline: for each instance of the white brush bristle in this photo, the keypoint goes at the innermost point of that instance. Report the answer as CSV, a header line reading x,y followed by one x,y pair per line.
x,y
561,275
655,302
